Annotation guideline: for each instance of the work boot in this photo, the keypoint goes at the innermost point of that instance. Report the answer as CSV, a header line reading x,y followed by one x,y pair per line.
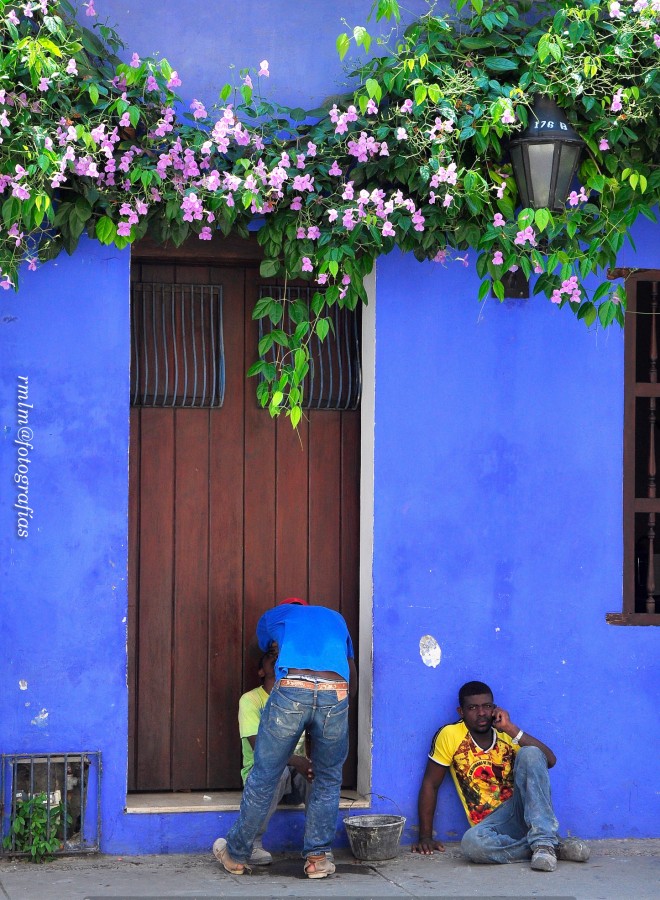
x,y
573,850
259,856
544,858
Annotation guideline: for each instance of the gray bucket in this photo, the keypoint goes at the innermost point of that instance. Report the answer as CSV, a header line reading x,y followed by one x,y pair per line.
x,y
374,837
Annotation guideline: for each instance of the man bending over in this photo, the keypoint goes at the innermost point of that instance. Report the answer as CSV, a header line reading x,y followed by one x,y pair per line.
x,y
501,775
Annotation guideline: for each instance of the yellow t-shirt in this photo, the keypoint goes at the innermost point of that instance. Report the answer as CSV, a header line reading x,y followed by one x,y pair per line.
x,y
483,778
250,707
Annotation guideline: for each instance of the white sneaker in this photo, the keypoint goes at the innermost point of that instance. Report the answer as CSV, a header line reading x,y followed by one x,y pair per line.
x,y
259,856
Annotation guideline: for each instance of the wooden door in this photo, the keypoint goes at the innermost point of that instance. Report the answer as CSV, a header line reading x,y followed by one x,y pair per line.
x,y
230,511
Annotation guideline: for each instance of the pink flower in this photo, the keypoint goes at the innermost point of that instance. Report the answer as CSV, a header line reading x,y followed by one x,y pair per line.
x,y
205,234
498,220
656,40
372,107
616,101
447,201
311,149
498,259
71,68
174,81
13,18
313,232
604,144
508,117
440,256
406,106
307,264
332,215
401,134
322,279
263,68
538,269
44,84
300,234
296,203
388,229
247,81
334,169
135,61
124,229
615,10
32,264
90,8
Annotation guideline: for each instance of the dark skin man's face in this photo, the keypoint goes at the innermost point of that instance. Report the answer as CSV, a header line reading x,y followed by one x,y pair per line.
x,y
477,713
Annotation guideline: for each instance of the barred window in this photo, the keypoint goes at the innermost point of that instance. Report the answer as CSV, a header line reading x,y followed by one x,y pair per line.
x,y
641,498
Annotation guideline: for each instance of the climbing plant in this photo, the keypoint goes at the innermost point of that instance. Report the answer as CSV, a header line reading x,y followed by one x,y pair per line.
x,y
415,158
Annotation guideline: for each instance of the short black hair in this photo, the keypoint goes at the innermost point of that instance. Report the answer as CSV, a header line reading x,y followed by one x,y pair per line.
x,y
471,689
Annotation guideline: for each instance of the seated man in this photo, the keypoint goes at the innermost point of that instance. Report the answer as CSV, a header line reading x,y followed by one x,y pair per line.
x,y
294,781
501,775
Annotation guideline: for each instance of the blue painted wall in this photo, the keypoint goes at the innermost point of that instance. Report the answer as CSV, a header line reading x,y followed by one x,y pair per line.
x,y
497,501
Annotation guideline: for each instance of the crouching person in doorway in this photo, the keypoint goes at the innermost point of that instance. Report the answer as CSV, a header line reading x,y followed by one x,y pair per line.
x,y
501,775
297,775
312,673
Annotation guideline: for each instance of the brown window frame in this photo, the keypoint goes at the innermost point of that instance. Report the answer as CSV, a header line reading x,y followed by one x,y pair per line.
x,y
634,505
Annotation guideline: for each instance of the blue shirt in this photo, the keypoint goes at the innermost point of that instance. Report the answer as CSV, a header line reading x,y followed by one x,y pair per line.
x,y
309,637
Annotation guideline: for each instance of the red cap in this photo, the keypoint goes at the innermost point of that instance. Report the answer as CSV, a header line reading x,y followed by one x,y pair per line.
x,y
294,600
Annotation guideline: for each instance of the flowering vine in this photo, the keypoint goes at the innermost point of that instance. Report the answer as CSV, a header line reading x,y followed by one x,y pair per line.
x,y
415,158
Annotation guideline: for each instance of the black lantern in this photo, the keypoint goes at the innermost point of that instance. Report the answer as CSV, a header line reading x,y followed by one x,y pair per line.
x,y
545,157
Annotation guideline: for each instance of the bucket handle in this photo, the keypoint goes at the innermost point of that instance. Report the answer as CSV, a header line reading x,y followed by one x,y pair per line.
x,y
381,797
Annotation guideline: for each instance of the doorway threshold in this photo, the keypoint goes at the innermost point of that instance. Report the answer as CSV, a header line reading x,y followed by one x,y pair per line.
x,y
218,801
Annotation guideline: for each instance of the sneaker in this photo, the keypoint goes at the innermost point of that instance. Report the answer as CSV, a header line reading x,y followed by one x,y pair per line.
x,y
222,855
573,850
544,858
259,856
319,866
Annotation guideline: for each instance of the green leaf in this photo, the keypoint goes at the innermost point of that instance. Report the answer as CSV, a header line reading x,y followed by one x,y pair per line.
x,y
269,268
343,43
541,219
322,327
500,64
295,414
106,230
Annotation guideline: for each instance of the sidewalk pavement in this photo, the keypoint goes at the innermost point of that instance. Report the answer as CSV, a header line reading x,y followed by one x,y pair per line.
x,y
617,870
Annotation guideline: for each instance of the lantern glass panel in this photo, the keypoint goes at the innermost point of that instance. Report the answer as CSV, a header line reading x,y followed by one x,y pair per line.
x,y
540,172
567,163
520,173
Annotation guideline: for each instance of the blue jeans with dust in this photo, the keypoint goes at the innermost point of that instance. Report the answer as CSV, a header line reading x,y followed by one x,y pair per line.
x,y
525,820
288,712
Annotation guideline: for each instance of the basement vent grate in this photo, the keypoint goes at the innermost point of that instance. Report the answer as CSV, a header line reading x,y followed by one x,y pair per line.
x,y
67,786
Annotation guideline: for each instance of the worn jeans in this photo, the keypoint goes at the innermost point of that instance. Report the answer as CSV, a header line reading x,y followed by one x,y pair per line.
x,y
288,712
292,788
512,831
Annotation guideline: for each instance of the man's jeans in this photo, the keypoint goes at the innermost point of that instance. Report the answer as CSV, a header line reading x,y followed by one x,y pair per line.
x,y
512,831
288,712
292,788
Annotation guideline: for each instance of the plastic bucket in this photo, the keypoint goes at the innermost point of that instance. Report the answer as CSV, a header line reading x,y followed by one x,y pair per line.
x,y
374,837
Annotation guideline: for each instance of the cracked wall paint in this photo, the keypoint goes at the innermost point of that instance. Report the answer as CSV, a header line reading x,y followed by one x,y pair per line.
x,y
430,651
41,720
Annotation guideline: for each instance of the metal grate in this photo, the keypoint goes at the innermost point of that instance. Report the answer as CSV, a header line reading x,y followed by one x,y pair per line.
x,y
335,373
69,787
177,346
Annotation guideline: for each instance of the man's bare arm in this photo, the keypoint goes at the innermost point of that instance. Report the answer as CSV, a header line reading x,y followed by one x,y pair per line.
x,y
426,804
502,721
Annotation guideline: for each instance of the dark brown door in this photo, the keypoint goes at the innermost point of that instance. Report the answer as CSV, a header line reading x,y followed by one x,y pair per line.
x,y
230,511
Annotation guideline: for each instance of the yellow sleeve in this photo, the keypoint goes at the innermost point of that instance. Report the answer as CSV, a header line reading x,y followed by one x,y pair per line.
x,y
443,746
249,715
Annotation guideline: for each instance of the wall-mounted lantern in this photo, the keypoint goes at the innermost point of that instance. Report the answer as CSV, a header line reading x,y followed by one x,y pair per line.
x,y
545,156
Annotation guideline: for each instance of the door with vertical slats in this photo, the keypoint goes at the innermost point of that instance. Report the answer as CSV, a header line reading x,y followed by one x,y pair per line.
x,y
230,511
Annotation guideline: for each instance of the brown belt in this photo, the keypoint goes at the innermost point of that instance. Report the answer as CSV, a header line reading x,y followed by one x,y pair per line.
x,y
314,685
